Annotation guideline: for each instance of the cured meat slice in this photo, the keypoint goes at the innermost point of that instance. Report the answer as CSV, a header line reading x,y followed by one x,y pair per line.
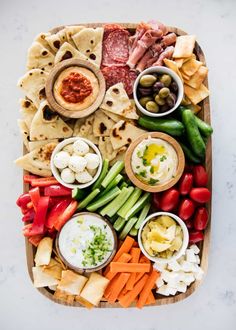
x,y
114,75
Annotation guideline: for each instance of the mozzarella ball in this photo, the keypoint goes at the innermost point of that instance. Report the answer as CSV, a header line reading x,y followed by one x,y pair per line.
x,y
80,147
69,148
61,159
92,161
67,175
83,177
77,163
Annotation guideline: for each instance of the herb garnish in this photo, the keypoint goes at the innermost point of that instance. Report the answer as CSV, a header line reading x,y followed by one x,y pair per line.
x,y
163,158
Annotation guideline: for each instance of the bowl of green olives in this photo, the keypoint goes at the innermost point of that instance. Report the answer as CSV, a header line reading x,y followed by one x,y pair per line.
x,y
158,91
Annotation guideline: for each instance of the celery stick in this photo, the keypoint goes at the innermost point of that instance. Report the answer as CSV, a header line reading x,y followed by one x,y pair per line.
x,y
133,232
112,173
138,206
119,224
104,171
127,228
124,185
112,184
130,202
88,199
142,215
116,204
104,199
113,219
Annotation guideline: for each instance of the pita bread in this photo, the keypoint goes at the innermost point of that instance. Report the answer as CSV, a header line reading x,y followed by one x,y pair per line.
x,y
84,128
67,51
102,124
71,31
47,124
44,251
37,144
72,283
120,156
33,85
54,269
39,57
106,148
24,130
41,38
117,101
38,161
89,42
196,95
94,288
28,110
184,46
42,279
56,40
123,133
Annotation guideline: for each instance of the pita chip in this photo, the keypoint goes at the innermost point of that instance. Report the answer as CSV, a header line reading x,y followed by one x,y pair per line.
x,y
197,79
196,95
72,283
42,279
173,66
191,66
184,46
54,269
44,251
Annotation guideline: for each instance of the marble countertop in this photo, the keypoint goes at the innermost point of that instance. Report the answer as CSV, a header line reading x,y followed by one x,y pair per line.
x,y
213,306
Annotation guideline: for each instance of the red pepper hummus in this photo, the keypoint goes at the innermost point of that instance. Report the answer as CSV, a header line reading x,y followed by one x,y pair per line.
x,y
76,88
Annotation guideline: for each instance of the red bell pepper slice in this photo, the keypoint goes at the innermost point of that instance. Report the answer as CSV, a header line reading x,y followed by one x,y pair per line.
x,y
34,240
23,200
66,215
43,182
56,211
57,190
29,216
35,196
29,178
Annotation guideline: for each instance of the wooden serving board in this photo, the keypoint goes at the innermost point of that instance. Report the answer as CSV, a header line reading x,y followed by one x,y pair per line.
x,y
205,115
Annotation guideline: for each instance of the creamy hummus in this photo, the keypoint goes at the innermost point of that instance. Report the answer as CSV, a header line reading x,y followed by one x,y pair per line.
x,y
89,76
154,161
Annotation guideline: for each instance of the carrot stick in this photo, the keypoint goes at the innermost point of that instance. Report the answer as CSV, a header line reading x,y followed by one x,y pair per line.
x,y
125,257
130,296
122,267
135,253
135,244
123,292
125,247
150,299
147,288
117,286
145,260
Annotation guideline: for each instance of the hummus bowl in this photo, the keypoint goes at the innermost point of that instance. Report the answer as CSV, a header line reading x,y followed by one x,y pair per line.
x,y
154,162
75,88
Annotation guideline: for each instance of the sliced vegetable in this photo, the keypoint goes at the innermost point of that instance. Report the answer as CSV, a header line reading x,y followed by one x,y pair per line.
x,y
57,190
130,202
100,202
66,215
142,216
104,171
23,200
135,254
138,206
35,196
125,257
34,240
133,232
147,289
56,211
123,185
200,195
78,194
117,285
28,178
112,173
121,267
29,216
129,224
112,184
43,182
119,224
88,199
124,248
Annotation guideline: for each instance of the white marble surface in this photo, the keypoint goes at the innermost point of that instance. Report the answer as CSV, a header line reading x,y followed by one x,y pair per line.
x,y
213,306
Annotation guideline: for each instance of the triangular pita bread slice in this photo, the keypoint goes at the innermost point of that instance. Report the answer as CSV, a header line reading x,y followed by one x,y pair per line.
x,y
24,132
106,148
47,124
38,160
28,110
85,129
71,31
37,144
41,38
39,57
89,42
72,283
102,124
44,251
56,40
123,133
117,101
120,155
42,279
67,51
33,85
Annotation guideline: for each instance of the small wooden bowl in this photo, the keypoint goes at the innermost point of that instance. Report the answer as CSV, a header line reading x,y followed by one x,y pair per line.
x,y
158,187
53,75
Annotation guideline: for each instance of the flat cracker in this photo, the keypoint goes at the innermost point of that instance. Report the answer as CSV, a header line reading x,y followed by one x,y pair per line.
x,y
196,95
198,78
191,66
44,251
184,46
173,66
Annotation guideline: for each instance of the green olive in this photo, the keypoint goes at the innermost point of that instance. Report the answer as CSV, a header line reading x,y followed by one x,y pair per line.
x,y
152,106
166,80
159,100
164,92
147,80
143,101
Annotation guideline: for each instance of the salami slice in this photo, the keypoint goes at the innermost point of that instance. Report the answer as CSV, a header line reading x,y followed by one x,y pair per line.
x,y
115,74
117,45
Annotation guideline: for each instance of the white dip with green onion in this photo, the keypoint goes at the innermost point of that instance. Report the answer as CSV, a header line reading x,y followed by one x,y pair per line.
x,y
154,161
86,241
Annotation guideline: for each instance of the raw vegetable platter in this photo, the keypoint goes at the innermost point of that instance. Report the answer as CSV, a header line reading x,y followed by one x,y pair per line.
x,y
57,280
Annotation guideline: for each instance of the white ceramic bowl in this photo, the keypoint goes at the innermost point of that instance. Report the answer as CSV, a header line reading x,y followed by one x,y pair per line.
x,y
176,78
177,254
56,172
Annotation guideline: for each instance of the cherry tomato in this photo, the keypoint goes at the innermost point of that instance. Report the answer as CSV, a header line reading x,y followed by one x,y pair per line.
x,y
189,223
200,195
186,209
156,200
200,218
195,236
169,199
185,183
200,176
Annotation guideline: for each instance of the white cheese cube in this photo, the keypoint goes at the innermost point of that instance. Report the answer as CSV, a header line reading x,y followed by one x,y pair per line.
x,y
198,260
174,265
182,287
190,256
186,266
163,290
199,273
172,291
160,266
195,248
189,278
159,282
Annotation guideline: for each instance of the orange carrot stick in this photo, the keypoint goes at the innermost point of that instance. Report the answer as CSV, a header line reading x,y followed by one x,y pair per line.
x,y
125,247
130,296
117,286
147,288
122,267
135,253
125,257
150,299
145,260
123,292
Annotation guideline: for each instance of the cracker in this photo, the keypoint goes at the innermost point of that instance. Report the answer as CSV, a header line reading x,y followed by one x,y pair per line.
x,y
184,46
198,78
196,95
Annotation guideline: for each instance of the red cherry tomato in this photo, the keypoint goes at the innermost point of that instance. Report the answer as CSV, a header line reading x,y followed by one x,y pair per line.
x,y
156,200
169,199
200,218
185,183
189,223
195,236
200,195
200,176
186,209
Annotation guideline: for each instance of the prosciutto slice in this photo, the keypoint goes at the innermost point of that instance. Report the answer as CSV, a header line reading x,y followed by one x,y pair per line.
x,y
168,39
140,30
167,53
149,57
